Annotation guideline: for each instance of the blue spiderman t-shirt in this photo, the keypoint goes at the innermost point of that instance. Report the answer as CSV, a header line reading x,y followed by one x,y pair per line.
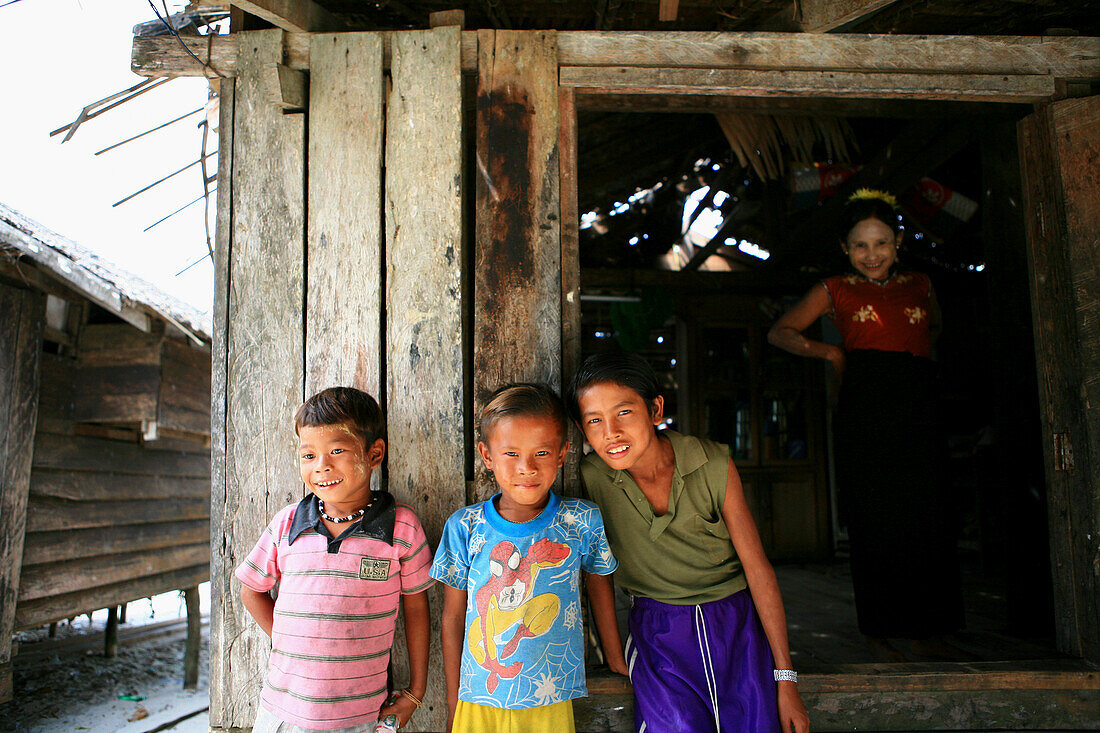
x,y
524,644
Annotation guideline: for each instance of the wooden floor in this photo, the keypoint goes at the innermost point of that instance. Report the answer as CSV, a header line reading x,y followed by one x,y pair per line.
x,y
821,621
980,679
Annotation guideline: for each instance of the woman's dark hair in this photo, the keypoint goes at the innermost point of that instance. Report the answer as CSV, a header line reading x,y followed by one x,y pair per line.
x,y
522,399
621,367
860,209
337,405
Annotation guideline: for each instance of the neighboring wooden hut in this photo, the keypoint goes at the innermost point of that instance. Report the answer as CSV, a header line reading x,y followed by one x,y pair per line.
x,y
419,239
105,438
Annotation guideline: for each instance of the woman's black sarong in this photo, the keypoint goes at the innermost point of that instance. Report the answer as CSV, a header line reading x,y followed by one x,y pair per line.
x,y
893,494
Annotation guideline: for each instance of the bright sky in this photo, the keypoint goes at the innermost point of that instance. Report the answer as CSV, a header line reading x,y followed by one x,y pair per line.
x,y
60,55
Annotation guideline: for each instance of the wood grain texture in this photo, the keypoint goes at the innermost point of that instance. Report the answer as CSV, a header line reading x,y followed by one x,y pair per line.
x,y
79,453
43,581
344,298
1060,371
517,256
819,16
570,273
264,378
1065,57
841,84
193,646
1076,136
77,485
22,318
73,544
51,515
223,622
424,342
55,608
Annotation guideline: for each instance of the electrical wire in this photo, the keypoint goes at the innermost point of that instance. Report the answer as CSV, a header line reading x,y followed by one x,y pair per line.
x,y
164,20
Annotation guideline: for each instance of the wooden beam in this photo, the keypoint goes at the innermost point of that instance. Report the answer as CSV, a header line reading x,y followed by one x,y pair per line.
x,y
293,16
55,608
799,106
22,317
1064,57
817,84
425,260
517,260
265,361
345,260
819,16
287,88
667,10
444,18
568,159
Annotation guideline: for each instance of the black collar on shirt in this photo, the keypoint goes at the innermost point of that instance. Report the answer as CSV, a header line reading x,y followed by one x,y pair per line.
x,y
377,523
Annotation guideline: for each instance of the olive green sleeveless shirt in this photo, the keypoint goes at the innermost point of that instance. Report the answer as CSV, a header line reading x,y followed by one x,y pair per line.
x,y
684,556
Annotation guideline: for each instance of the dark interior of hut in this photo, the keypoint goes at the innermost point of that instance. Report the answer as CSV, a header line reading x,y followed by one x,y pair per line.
x,y
764,191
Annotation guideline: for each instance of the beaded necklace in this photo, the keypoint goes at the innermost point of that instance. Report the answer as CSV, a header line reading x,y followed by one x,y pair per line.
x,y
348,518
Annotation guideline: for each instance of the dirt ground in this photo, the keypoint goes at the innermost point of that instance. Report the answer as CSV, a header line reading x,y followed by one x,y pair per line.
x,y
66,684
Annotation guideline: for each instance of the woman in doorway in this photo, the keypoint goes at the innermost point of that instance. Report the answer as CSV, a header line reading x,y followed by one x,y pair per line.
x,y
889,447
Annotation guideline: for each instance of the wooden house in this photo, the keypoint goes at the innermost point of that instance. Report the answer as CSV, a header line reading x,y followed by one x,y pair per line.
x,y
400,209
105,438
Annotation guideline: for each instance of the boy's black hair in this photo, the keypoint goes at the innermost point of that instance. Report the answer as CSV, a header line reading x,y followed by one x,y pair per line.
x,y
522,399
620,367
337,405
860,209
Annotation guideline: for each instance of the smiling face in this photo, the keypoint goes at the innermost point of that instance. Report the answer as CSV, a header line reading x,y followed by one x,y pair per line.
x,y
336,465
524,453
618,423
872,248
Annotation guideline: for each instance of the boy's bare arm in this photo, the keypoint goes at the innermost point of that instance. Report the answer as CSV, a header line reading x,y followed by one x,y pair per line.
x,y
453,632
601,591
261,606
418,639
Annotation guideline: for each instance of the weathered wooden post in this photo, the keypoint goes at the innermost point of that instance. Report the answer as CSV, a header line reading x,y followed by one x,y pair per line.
x,y
257,375
22,316
194,638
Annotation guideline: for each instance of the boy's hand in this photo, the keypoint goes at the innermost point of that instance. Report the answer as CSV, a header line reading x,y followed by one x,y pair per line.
x,y
618,666
792,713
400,706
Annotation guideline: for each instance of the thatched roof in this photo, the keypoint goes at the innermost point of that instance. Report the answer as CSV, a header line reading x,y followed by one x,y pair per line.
x,y
32,245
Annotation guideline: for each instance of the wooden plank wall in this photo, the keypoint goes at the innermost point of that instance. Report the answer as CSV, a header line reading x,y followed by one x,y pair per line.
x,y
1059,145
517,328
109,520
280,337
424,340
119,375
263,362
22,318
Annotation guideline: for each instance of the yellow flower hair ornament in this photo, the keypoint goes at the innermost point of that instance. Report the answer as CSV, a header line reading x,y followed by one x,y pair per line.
x,y
871,193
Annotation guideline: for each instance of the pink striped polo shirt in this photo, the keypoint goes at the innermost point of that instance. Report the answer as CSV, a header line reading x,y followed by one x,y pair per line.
x,y
336,608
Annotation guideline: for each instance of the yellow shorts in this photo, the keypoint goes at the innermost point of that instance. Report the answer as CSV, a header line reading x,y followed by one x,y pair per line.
x,y
473,718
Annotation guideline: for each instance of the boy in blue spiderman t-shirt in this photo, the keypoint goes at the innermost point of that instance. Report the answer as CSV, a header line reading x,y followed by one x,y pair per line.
x,y
513,648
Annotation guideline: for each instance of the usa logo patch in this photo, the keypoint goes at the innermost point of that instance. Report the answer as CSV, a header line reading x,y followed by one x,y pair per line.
x,y
372,568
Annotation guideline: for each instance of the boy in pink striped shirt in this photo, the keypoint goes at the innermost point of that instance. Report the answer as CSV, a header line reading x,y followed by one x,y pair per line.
x,y
343,558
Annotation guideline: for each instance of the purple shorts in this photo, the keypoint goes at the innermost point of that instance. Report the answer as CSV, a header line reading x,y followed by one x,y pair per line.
x,y
701,668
